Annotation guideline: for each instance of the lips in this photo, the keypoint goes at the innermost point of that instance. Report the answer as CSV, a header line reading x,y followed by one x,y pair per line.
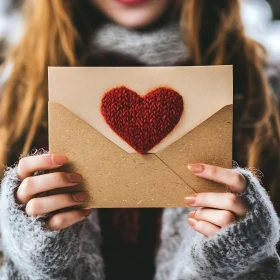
x,y
131,2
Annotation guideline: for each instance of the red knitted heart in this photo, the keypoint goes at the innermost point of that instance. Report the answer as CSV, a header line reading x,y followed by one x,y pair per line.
x,y
142,121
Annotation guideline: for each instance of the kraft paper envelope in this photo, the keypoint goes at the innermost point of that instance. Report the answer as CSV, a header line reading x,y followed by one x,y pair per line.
x,y
115,175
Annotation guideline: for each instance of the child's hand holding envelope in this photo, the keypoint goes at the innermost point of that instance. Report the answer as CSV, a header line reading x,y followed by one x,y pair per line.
x,y
131,132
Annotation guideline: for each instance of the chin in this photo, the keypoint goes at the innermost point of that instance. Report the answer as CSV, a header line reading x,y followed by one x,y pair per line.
x,y
133,16
135,22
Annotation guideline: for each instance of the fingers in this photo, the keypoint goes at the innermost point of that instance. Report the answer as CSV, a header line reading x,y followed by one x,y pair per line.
x,y
220,218
203,227
28,165
209,221
31,186
229,177
43,205
66,219
223,201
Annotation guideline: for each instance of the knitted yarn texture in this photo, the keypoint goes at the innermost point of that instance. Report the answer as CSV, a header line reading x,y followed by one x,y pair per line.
x,y
142,121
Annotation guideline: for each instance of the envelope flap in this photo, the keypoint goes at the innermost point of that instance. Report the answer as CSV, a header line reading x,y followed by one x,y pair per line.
x,y
205,90
112,177
210,143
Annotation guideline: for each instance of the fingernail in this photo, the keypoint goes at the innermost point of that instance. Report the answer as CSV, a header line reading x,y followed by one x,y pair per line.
x,y
86,212
79,197
74,177
59,160
192,222
190,199
196,168
192,214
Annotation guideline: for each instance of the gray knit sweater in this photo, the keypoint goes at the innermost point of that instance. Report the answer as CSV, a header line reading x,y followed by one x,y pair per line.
x,y
244,250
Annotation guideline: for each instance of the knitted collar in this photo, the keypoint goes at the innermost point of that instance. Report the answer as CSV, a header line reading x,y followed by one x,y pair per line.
x,y
159,46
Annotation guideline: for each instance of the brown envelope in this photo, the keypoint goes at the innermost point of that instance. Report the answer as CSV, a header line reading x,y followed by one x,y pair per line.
x,y
115,175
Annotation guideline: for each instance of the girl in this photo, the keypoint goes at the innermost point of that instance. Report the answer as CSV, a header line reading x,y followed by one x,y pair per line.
x,y
224,236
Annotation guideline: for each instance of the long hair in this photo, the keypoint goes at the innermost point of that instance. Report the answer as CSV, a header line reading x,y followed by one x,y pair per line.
x,y
256,115
57,34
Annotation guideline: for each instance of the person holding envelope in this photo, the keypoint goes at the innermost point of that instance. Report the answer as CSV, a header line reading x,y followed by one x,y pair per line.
x,y
229,235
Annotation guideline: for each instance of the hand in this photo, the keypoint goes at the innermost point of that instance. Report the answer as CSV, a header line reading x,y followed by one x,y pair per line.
x,y
31,186
217,210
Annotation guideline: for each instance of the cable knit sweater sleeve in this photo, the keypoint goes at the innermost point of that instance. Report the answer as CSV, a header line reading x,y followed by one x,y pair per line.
x,y
245,250
33,252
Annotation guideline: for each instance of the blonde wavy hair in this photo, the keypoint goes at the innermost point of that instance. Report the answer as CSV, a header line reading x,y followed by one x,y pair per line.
x,y
57,34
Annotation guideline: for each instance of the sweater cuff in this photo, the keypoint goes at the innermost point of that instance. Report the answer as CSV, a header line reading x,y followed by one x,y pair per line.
x,y
33,249
236,247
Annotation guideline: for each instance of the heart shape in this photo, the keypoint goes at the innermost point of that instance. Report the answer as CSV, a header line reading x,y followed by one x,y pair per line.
x,y
142,121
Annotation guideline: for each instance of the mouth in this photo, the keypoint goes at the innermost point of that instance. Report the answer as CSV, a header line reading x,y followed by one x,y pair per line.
x,y
131,2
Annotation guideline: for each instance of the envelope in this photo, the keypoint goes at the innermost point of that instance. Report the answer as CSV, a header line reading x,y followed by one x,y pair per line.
x,y
89,123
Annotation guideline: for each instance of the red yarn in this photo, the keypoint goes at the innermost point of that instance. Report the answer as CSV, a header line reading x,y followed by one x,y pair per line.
x,y
142,121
